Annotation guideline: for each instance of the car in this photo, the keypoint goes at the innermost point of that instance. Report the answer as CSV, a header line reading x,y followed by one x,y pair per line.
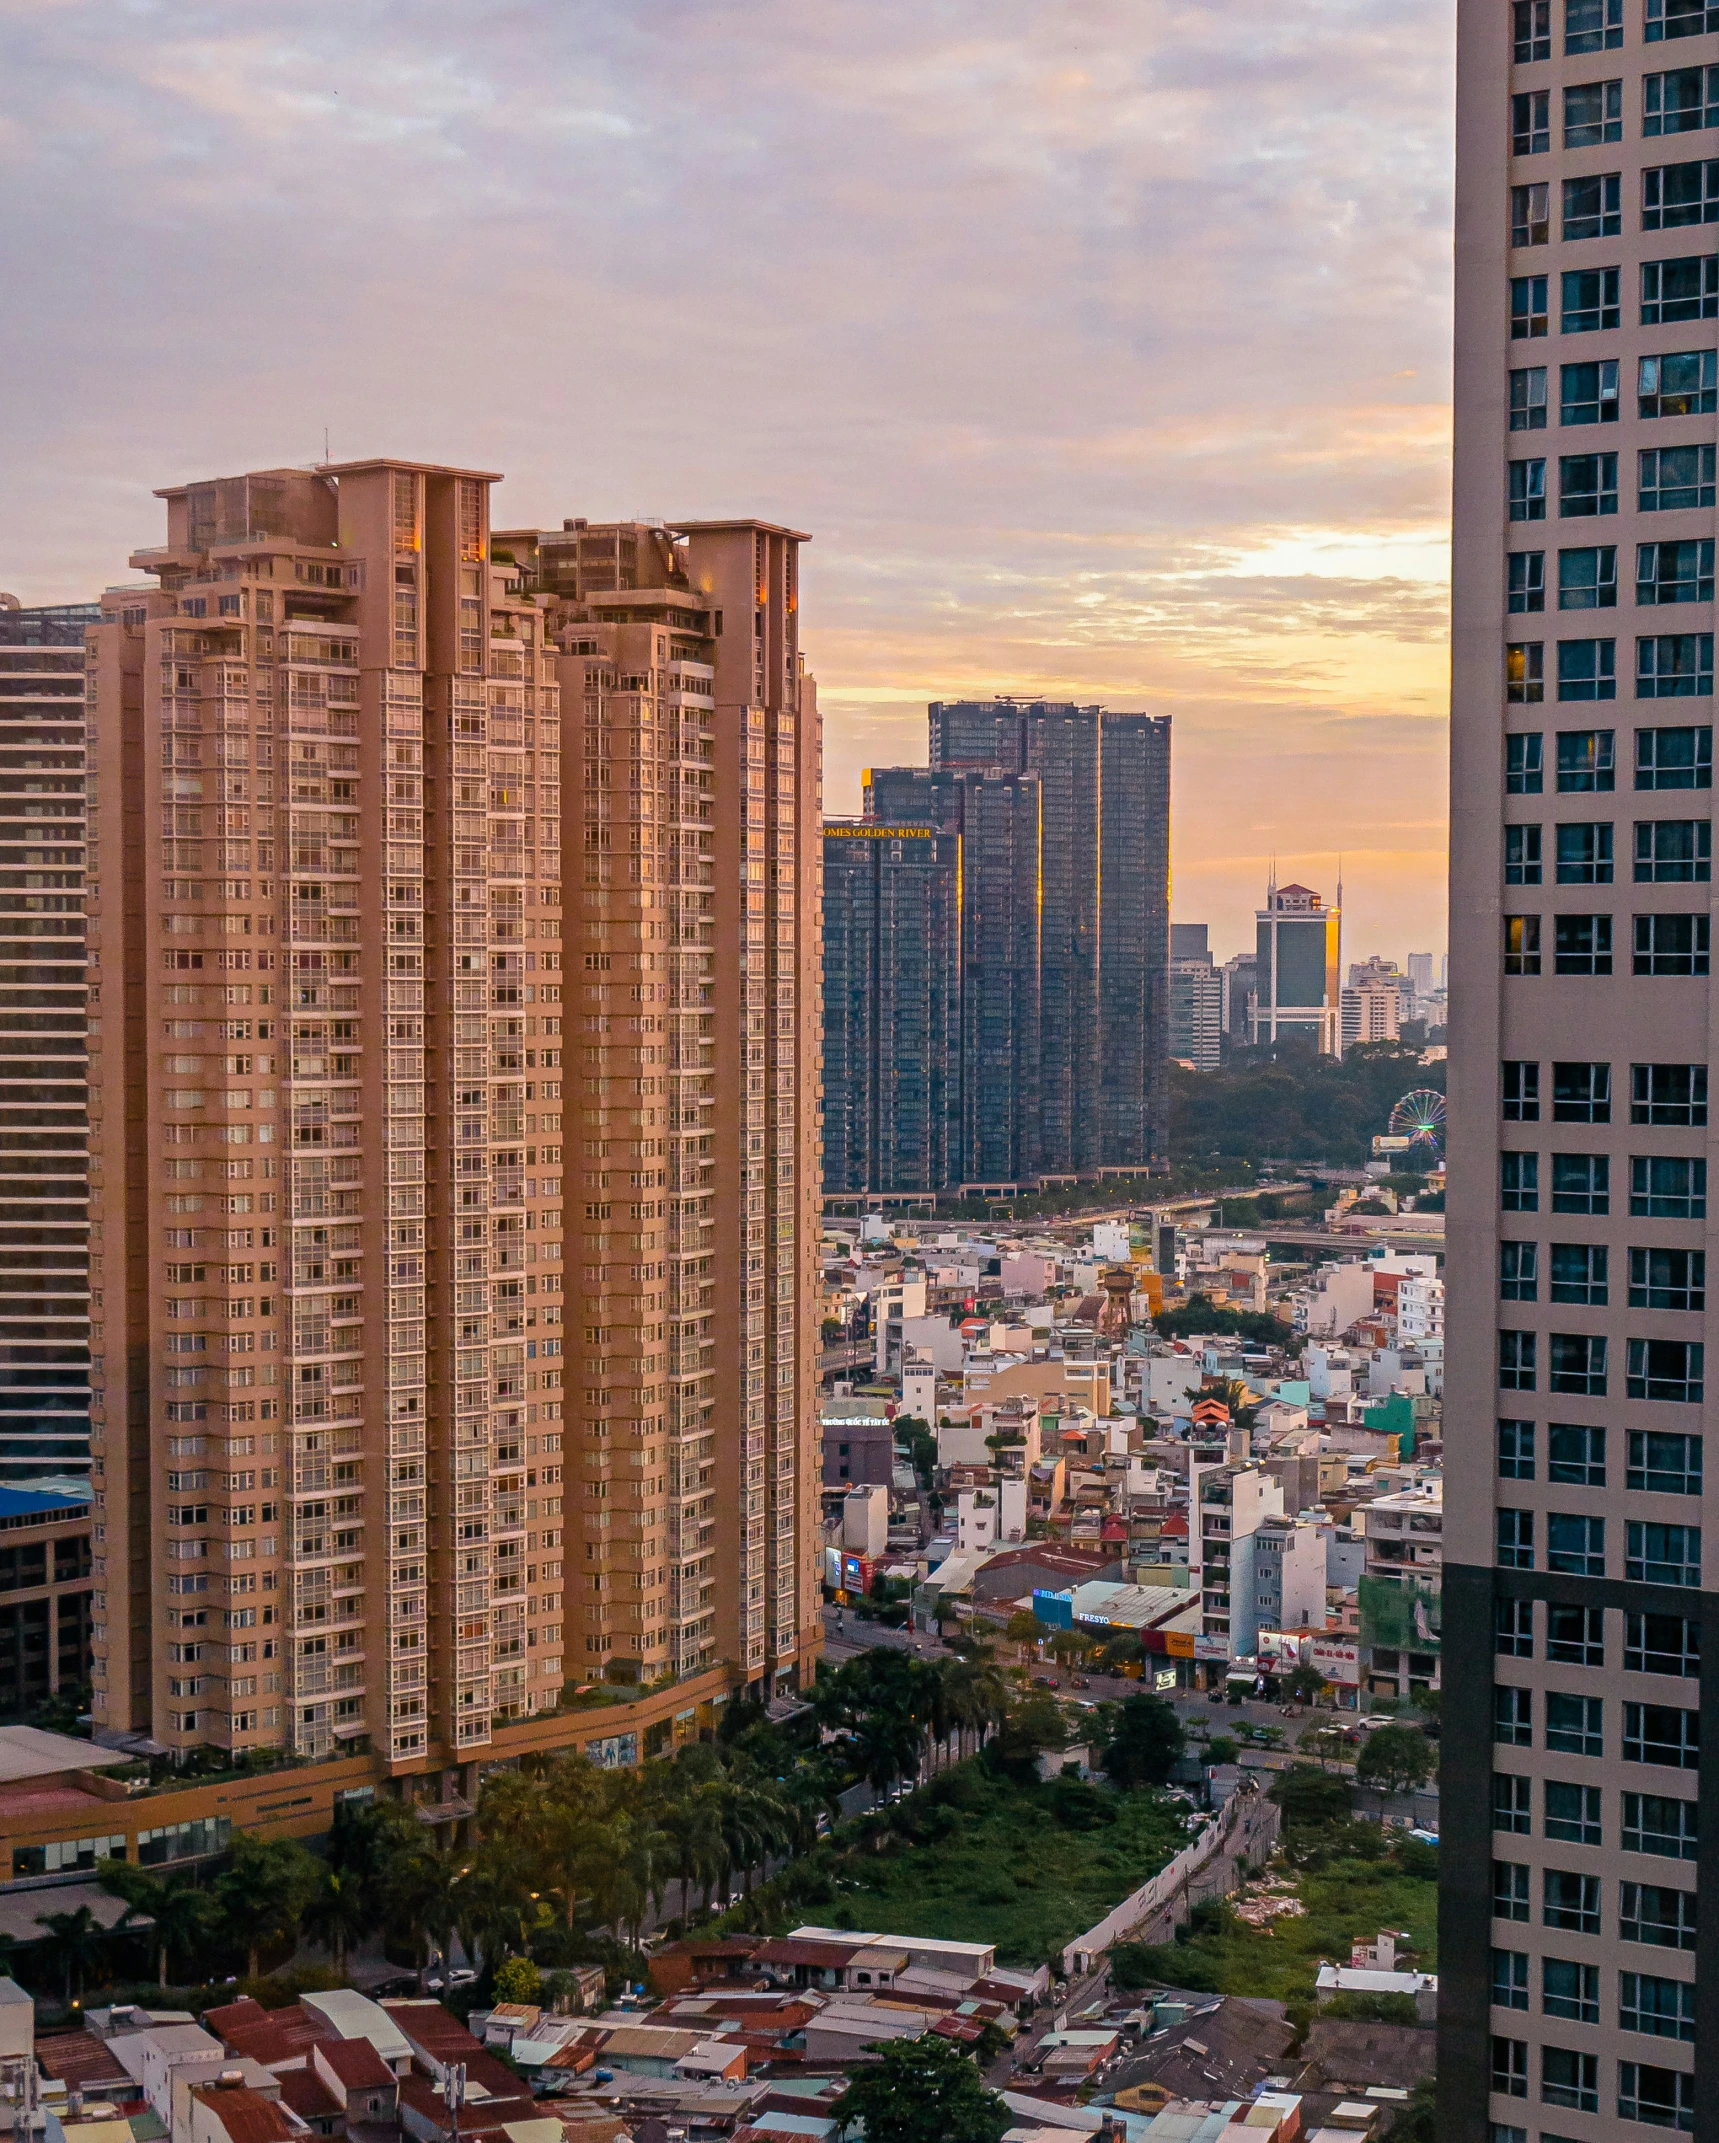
x,y
1045,1681
462,1976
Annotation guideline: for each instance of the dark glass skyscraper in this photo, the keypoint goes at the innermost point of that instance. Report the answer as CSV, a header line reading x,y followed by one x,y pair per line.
x,y
1061,819
891,1007
44,1158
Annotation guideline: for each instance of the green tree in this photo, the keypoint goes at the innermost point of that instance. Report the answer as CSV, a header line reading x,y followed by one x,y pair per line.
x,y
1311,1798
1222,1749
264,1892
1395,1759
75,1945
517,1979
1147,1743
923,2091
337,1913
180,1912
1305,1684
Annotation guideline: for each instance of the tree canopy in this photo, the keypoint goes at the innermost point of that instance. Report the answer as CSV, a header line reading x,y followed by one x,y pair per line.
x,y
1147,1742
1293,1105
923,2091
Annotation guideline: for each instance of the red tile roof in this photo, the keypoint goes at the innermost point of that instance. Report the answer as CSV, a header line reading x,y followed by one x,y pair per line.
x,y
81,2060
308,2096
245,2114
356,2062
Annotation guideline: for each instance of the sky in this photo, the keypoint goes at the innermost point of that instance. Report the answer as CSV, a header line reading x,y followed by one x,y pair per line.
x,y
1102,346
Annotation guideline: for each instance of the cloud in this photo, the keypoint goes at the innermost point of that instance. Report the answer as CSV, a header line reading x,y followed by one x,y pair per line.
x,y
1103,347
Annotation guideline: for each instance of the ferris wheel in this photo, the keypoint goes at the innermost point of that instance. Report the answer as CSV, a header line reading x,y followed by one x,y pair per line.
x,y
1419,1117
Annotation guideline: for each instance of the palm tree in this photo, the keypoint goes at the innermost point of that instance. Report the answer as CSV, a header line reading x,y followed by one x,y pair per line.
x,y
339,1914
75,1942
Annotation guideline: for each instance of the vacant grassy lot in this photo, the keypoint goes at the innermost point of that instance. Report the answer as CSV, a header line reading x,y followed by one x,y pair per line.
x,y
1349,1898
1026,1866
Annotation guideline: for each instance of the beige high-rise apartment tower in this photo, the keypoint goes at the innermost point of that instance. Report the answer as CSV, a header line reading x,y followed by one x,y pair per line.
x,y
692,798
354,1486
1578,1959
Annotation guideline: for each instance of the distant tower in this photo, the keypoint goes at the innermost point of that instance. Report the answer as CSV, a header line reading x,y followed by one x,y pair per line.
x,y
1299,958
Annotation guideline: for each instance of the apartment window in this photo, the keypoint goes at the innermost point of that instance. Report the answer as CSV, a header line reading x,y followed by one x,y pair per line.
x,y
1509,1890
1680,18
1571,1902
1592,25
1587,486
1521,944
1528,490
1680,758
1516,1463
1517,1272
1684,383
1591,210
1587,758
1510,2067
1662,1734
1674,572
1648,1912
1530,223
1530,31
1662,1554
1589,303
1531,122
1582,1093
1570,1991
1584,858
1575,1456
1570,2079
1513,1620
1674,478
1667,1279
1587,579
1663,2008
1655,1823
1528,399
1657,2097
1673,852
1671,944
1516,1361
1519,1181
1593,112
1666,1369
1686,289
1668,1094
1510,1977
1683,100
1575,1636
1575,1545
1515,1540
1581,1183
1582,944
1674,666
1663,1644
1572,1813
1513,1717
1574,1725
1667,1187
1521,855
1662,1463
1521,1093
1677,194
1525,581
1528,314
1577,1365
1578,1274
1524,683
